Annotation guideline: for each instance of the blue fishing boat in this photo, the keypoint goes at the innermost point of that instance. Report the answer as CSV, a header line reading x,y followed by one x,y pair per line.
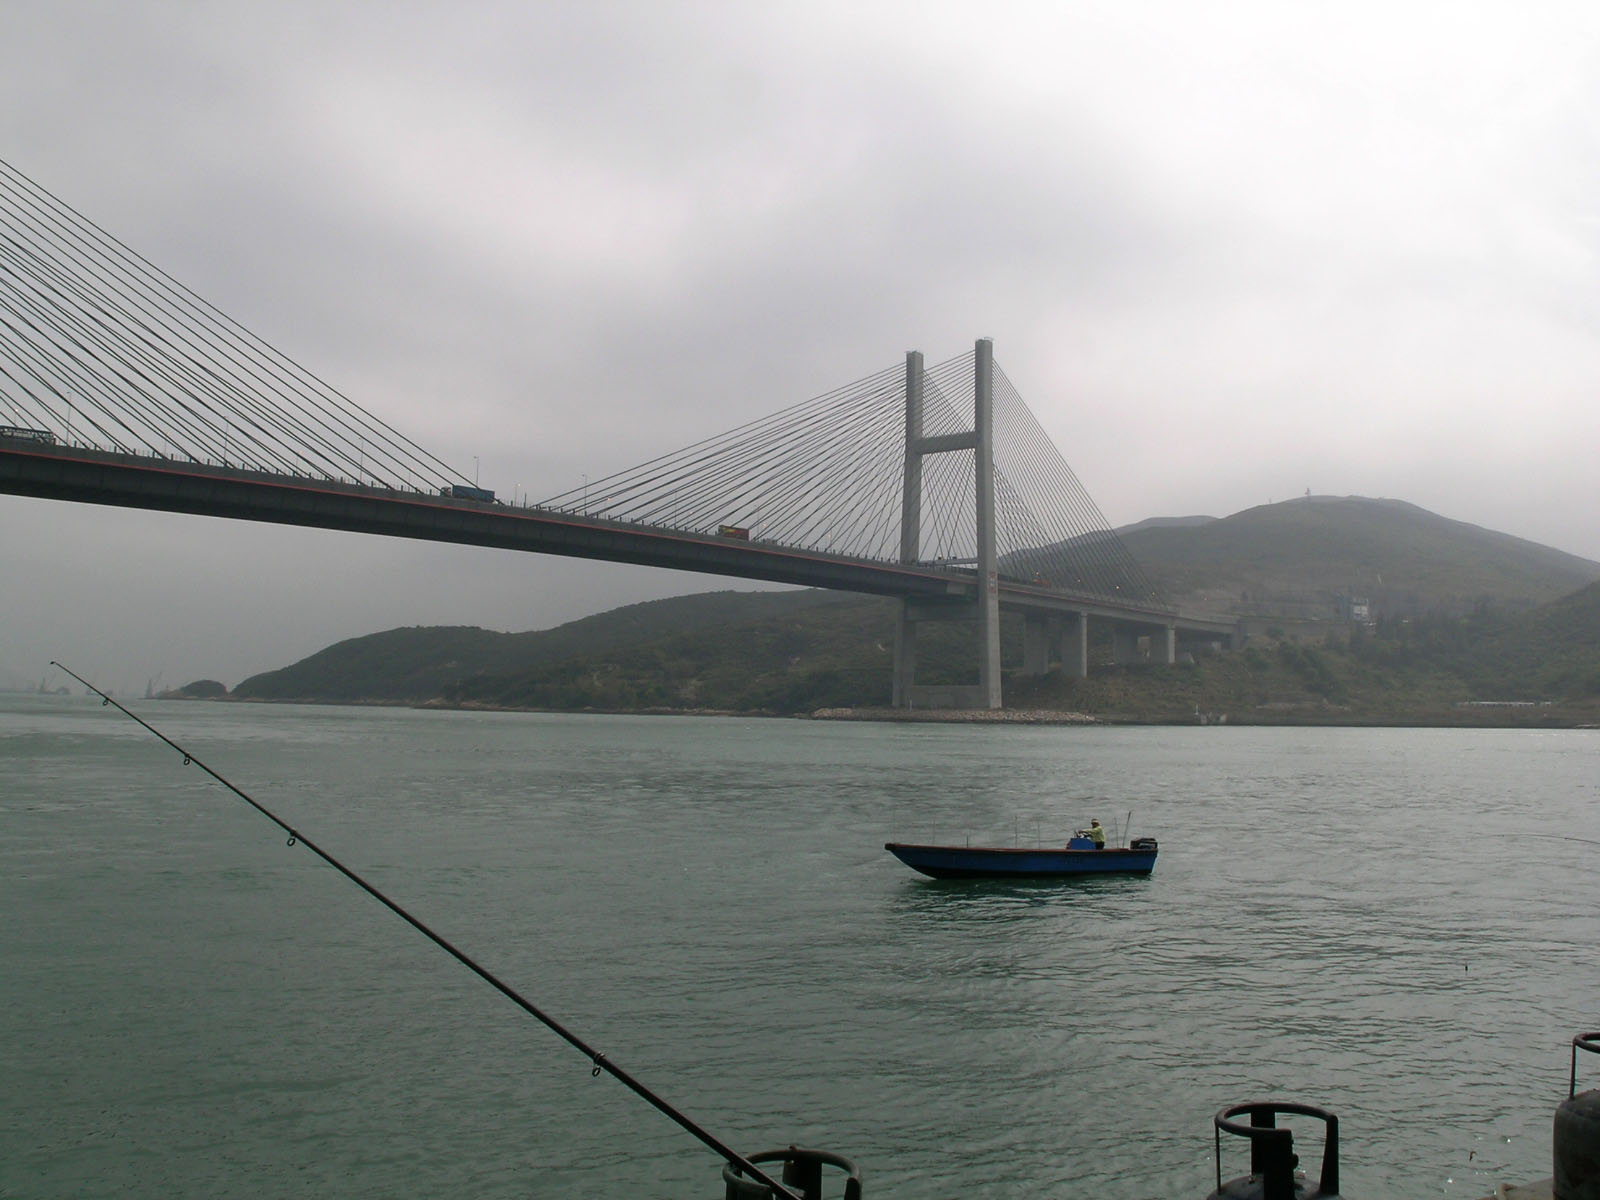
x,y
1077,857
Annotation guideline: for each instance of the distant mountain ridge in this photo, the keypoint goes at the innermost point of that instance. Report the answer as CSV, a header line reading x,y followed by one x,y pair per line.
x,y
1296,559
1295,563
427,662
1162,523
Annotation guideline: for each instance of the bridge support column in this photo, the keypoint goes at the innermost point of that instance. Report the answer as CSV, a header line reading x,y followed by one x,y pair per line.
x,y
1124,644
1075,644
905,630
905,656
1164,645
986,606
1055,637
1037,631
988,564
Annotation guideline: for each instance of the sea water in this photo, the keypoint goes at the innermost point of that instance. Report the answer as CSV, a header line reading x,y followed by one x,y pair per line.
x,y
1397,925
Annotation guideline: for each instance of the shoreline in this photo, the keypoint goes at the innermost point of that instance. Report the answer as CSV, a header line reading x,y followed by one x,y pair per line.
x,y
961,716
1312,717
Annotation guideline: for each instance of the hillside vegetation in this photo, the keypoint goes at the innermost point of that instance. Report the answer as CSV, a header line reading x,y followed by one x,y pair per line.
x,y
1478,627
427,662
1296,558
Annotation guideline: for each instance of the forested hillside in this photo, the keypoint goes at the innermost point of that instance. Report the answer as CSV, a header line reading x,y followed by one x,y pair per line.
x,y
1472,617
1296,559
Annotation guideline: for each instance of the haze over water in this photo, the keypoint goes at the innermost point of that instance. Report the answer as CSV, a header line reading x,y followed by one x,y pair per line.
x,y
1390,923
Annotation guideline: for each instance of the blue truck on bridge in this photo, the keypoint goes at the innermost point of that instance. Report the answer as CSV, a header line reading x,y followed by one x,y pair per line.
x,y
460,491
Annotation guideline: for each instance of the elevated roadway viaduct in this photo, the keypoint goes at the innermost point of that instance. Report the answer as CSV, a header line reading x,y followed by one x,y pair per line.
x,y
1055,622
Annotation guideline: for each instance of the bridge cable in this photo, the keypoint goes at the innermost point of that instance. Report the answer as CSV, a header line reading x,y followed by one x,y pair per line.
x,y
170,358
212,370
371,426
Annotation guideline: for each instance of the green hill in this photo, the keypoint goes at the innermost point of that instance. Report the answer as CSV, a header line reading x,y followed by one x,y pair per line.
x,y
1462,616
1553,651
424,663
835,650
1296,559
1538,667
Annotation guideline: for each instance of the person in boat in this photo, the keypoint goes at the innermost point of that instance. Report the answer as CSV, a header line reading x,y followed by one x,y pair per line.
x,y
1097,834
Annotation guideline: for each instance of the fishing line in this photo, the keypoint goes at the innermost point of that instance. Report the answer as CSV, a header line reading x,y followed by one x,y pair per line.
x,y
598,1060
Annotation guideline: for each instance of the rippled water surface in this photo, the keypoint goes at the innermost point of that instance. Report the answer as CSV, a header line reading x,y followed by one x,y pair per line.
x,y
1395,924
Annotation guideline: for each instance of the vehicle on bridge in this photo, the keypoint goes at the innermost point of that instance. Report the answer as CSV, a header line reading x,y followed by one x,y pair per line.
x,y
460,491
734,531
17,433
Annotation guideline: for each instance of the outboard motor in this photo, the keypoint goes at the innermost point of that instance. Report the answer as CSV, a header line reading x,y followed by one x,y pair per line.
x,y
1577,1133
802,1173
1272,1157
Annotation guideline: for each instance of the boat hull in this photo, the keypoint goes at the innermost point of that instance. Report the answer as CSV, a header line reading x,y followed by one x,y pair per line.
x,y
1006,862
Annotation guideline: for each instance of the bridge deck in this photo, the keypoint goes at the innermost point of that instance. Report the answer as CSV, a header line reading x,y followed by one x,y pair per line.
x,y
90,476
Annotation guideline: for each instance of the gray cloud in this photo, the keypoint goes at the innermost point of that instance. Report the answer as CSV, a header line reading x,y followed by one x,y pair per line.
x,y
1227,254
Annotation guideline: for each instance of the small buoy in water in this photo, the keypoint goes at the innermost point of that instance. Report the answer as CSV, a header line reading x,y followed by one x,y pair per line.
x,y
802,1173
1272,1158
1577,1134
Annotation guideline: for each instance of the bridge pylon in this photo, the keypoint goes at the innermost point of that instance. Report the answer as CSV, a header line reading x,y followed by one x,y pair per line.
x,y
984,611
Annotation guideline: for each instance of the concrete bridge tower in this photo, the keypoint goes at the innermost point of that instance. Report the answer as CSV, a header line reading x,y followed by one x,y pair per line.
x,y
985,612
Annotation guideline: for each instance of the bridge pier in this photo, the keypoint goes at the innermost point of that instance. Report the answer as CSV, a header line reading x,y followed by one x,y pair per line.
x,y
988,553
905,630
1164,645
1049,638
905,655
986,608
1075,644
1214,642
1162,640
1038,630
1124,644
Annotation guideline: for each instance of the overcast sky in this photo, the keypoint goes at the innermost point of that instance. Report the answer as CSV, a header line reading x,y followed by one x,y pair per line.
x,y
1227,252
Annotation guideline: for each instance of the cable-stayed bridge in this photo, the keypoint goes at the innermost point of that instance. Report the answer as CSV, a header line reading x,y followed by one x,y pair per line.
x,y
934,485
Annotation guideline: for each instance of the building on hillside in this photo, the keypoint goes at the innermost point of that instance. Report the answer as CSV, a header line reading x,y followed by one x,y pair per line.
x,y
1353,608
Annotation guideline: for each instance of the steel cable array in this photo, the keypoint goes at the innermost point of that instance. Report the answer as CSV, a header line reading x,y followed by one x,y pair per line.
x,y
1047,525
101,349
826,474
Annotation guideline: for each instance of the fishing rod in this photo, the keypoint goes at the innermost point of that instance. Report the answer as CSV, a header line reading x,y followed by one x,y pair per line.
x,y
598,1059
